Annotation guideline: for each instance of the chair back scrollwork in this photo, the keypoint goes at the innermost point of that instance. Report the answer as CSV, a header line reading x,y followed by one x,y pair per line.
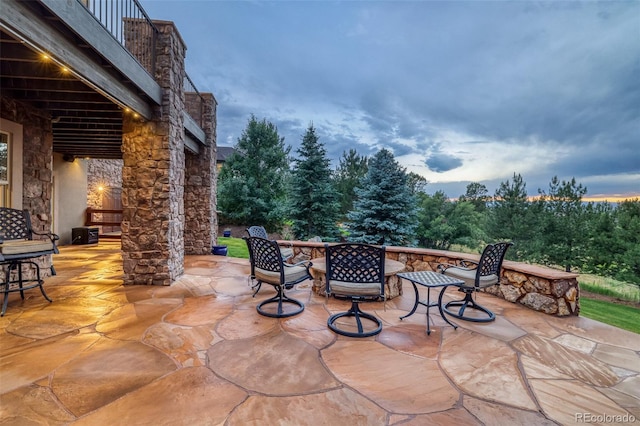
x,y
257,231
266,254
491,259
360,263
15,224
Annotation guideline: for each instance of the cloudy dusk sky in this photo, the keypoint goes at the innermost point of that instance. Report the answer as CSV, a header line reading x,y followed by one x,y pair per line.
x,y
459,91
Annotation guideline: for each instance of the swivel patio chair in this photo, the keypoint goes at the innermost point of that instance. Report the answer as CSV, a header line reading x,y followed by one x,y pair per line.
x,y
355,272
259,231
476,276
285,252
267,266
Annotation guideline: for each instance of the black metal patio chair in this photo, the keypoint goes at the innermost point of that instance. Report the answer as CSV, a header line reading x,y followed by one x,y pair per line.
x,y
285,252
267,266
356,272
18,248
476,276
259,231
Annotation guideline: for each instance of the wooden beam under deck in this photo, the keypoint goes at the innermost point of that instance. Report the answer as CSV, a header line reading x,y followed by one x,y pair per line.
x,y
19,19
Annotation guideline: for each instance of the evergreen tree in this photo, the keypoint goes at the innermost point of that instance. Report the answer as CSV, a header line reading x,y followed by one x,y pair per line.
x,y
442,223
251,184
477,194
384,211
511,217
603,245
347,175
628,221
612,247
563,230
314,208
434,230
417,183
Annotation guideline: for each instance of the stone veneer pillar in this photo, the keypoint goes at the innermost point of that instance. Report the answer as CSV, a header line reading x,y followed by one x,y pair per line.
x,y
201,226
37,149
153,175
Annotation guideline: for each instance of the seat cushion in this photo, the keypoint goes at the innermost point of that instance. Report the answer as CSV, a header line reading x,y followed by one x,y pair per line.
x,y
344,288
469,277
291,274
10,247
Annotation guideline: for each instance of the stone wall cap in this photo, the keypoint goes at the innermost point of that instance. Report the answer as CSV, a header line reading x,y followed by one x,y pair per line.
x,y
526,268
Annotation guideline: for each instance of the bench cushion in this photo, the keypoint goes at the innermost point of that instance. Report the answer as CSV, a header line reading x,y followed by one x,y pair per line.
x,y
12,247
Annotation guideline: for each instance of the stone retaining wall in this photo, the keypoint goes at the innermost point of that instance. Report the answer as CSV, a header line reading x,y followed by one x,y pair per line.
x,y
541,289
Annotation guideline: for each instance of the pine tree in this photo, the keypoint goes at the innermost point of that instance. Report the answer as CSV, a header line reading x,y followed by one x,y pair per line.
x,y
251,184
513,218
563,234
384,211
314,208
477,194
347,175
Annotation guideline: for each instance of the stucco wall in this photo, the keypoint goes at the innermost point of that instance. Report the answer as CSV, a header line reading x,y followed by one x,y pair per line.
x,y
70,201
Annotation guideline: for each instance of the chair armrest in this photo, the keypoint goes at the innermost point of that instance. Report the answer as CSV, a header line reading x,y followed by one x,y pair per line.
x,y
286,247
444,266
304,263
464,264
53,237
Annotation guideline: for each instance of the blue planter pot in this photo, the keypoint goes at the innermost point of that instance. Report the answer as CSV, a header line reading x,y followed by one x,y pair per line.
x,y
219,250
226,234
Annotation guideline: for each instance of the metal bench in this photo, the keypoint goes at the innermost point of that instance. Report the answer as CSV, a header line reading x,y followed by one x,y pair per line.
x,y
18,248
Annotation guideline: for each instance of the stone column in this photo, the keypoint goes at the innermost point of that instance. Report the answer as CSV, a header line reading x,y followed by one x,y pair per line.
x,y
201,225
37,164
153,175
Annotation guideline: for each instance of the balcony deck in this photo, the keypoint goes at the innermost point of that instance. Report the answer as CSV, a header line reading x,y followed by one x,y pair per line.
x,y
197,352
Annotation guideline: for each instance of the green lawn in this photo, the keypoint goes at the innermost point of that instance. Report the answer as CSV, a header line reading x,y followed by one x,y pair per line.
x,y
621,316
236,247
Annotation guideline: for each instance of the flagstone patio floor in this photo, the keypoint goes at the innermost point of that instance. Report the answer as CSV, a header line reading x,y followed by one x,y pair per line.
x,y
198,353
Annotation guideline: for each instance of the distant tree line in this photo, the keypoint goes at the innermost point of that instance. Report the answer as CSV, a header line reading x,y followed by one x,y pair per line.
x,y
375,200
